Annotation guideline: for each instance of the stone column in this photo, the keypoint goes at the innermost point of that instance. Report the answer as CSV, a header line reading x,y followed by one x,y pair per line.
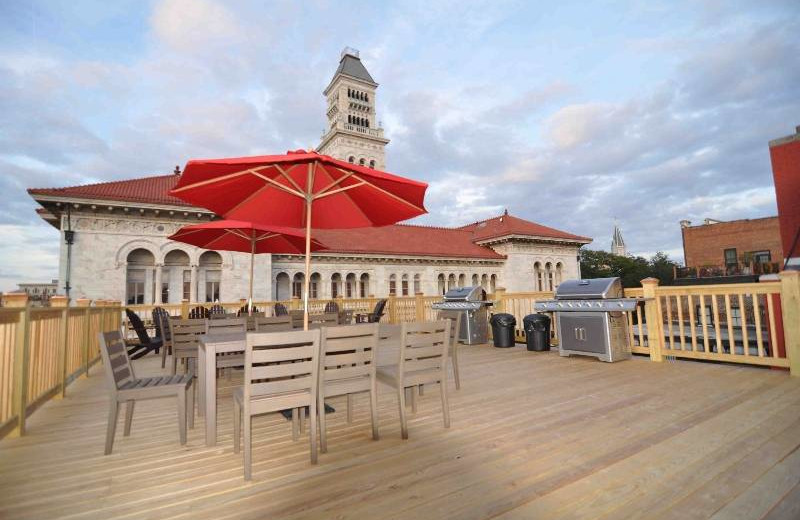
x,y
193,285
148,285
158,274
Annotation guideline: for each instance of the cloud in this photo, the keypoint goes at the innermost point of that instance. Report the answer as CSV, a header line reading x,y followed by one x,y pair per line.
x,y
189,26
29,254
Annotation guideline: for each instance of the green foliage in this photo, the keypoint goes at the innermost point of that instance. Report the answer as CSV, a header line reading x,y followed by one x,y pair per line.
x,y
631,269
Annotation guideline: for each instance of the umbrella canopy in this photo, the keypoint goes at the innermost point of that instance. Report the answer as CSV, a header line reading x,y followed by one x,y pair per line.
x,y
300,189
245,237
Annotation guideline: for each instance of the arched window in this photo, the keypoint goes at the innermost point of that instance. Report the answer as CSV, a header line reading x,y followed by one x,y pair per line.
x,y
366,97
351,159
174,274
139,261
485,282
474,280
372,164
350,286
451,281
366,122
282,287
393,284
363,285
349,93
361,161
336,285
350,119
313,286
417,284
493,283
559,269
538,281
297,285
462,280
404,285
440,284
548,271
211,270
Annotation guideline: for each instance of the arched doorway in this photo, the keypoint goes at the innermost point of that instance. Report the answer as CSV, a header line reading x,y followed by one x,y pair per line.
x,y
210,270
336,285
363,285
283,289
350,286
139,261
176,277
297,285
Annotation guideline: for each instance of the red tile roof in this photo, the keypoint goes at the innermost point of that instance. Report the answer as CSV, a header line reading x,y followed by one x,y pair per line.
x,y
400,239
149,190
506,225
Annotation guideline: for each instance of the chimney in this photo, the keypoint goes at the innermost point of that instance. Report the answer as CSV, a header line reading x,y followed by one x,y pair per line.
x,y
177,170
685,223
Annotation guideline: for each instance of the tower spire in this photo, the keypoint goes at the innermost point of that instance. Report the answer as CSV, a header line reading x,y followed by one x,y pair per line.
x,y
617,243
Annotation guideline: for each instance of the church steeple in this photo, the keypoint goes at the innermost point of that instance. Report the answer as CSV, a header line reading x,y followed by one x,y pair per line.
x,y
353,133
617,244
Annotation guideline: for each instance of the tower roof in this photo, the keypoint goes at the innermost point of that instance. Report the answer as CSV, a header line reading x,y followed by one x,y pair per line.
x,y
350,65
617,240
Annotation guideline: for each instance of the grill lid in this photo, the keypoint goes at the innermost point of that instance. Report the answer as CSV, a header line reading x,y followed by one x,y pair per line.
x,y
589,289
466,294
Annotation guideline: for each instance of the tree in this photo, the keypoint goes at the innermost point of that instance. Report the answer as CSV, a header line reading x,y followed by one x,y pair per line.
x,y
630,269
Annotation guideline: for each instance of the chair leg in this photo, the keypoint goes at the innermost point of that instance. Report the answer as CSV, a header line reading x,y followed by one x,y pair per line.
x,y
237,426
312,427
164,357
248,448
456,375
128,417
445,404
323,434
295,427
349,408
373,404
182,416
190,400
113,411
401,395
174,365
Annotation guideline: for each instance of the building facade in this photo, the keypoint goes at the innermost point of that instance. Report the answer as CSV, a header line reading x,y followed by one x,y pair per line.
x,y
39,293
784,153
114,236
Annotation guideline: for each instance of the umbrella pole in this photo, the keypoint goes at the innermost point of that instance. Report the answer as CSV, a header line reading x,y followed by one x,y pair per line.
x,y
308,263
252,259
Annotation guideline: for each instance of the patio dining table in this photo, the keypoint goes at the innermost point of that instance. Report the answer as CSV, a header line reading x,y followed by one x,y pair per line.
x,y
213,344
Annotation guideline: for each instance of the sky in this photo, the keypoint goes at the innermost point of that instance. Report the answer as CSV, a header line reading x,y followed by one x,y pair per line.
x,y
571,114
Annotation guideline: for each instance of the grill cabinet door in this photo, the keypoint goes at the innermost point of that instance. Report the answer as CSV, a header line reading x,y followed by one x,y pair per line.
x,y
583,332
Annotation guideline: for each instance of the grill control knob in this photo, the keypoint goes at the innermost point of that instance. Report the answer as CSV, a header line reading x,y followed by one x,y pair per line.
x,y
600,304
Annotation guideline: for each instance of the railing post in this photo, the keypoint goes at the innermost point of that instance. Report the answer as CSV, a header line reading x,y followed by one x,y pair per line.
x,y
21,353
655,337
392,304
790,311
500,299
185,309
61,302
419,306
84,303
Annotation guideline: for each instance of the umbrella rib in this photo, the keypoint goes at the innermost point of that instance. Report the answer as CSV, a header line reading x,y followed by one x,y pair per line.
x,y
390,194
334,183
216,179
289,178
182,233
340,190
207,244
280,186
248,198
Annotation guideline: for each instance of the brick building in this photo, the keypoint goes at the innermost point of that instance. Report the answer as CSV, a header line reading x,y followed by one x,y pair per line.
x,y
785,156
736,248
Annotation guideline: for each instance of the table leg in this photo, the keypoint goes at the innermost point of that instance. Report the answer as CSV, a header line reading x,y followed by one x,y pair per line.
x,y
210,360
201,381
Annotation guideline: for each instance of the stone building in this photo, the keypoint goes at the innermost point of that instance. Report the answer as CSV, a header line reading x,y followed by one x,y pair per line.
x,y
617,243
114,236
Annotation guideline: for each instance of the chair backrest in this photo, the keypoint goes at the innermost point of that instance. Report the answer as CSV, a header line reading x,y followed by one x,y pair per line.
x,y
226,325
348,352
186,333
243,311
331,307
216,309
198,312
297,318
279,310
455,324
273,324
116,362
138,326
163,323
423,351
158,313
289,360
378,312
346,317
326,319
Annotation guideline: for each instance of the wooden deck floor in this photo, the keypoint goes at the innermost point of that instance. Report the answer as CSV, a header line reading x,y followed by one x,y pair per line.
x,y
533,436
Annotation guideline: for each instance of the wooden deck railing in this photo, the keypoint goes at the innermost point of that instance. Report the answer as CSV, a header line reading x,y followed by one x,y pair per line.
x,y
43,349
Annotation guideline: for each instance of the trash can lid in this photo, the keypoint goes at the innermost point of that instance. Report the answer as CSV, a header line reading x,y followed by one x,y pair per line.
x,y
503,319
536,318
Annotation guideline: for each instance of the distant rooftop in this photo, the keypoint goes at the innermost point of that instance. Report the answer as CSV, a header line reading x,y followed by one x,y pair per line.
x,y
350,65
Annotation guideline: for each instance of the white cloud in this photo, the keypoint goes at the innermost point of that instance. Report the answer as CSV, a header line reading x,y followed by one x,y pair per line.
x,y
29,254
192,25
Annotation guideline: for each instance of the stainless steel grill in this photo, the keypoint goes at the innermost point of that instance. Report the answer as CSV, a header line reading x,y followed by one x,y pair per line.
x,y
590,318
471,303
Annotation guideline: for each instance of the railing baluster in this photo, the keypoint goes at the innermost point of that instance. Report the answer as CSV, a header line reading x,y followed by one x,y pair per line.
x,y
715,319
704,322
743,325
668,301
757,320
692,320
773,335
679,300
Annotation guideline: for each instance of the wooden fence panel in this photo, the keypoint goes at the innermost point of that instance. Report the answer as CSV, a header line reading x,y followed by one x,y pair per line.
x,y
9,320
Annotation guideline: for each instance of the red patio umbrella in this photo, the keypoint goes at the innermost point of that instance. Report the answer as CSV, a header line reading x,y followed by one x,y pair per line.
x,y
283,190
245,237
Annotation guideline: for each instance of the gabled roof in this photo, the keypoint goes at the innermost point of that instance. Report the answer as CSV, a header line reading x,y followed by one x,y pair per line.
x,y
148,190
351,66
509,225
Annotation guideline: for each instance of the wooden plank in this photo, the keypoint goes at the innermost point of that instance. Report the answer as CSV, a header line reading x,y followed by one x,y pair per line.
x,y
743,325
690,299
729,323
757,319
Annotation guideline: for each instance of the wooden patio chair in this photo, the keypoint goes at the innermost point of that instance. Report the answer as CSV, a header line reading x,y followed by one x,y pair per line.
x,y
279,310
347,367
273,323
455,326
185,336
199,312
145,344
227,326
326,319
251,319
297,318
162,319
374,316
422,360
345,317
289,361
331,307
127,388
216,310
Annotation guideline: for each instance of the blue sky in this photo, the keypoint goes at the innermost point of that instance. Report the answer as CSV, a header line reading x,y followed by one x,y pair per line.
x,y
570,114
